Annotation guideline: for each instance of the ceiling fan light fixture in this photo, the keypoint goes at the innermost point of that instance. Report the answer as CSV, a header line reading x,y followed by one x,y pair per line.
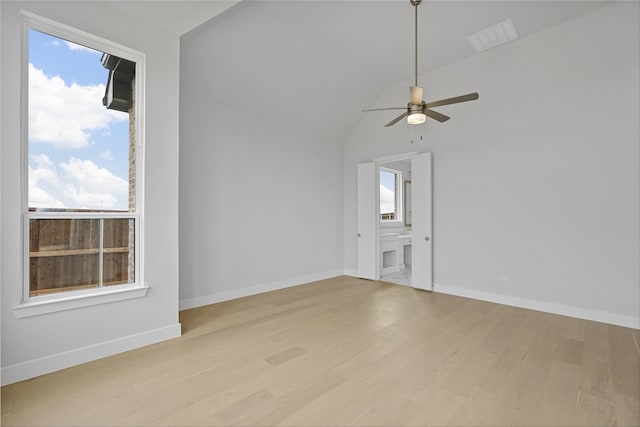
x,y
416,118
417,111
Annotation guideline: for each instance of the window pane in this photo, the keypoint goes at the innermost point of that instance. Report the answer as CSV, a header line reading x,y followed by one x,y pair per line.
x,y
119,253
388,196
63,255
66,254
81,109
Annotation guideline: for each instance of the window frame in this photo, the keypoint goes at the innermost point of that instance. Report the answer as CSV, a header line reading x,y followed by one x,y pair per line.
x,y
42,304
399,196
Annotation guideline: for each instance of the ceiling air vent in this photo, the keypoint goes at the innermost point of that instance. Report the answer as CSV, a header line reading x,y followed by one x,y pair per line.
x,y
493,36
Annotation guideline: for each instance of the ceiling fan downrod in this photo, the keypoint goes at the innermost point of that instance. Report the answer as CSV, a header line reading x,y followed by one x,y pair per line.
x,y
415,3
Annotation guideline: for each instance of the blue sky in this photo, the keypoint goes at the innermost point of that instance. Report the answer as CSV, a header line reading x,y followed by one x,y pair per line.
x,y
78,150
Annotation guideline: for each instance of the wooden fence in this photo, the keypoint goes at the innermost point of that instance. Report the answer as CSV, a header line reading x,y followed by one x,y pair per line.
x,y
68,254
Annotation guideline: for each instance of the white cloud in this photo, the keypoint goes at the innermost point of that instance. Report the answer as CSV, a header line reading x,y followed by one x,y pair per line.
x,y
44,173
106,155
41,160
65,116
39,198
387,200
81,184
91,187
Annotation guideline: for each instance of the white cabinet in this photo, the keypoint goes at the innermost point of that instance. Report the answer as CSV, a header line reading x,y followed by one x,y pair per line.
x,y
389,255
392,249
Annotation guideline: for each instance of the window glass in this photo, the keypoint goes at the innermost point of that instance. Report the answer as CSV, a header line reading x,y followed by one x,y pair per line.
x,y
389,195
78,148
81,167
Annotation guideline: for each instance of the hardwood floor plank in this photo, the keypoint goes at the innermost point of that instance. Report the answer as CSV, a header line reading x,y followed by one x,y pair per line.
x,y
346,351
560,396
435,407
595,411
470,372
624,362
522,392
247,407
636,339
285,356
343,405
504,368
300,398
569,350
596,362
480,409
394,411
625,371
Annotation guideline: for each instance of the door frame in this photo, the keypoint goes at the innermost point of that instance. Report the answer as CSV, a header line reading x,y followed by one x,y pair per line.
x,y
379,161
375,179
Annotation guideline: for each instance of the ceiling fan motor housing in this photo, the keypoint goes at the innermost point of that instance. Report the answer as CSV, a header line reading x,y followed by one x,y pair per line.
x,y
413,108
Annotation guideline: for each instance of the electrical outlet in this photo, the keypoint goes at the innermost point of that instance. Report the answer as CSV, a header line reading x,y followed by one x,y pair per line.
x,y
503,279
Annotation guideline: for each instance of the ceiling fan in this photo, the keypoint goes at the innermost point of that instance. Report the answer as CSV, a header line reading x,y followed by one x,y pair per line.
x,y
417,110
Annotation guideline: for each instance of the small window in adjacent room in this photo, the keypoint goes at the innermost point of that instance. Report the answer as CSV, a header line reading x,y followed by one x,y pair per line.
x,y
390,195
82,215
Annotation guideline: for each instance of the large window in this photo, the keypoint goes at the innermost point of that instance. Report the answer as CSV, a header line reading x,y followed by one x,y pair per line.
x,y
390,195
82,215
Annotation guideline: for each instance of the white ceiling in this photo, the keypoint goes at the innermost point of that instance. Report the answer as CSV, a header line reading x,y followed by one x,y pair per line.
x,y
176,17
318,63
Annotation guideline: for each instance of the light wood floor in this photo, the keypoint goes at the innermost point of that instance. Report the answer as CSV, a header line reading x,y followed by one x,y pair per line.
x,y
350,352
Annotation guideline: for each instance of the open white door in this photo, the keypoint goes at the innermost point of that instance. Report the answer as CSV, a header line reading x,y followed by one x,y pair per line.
x,y
421,241
366,235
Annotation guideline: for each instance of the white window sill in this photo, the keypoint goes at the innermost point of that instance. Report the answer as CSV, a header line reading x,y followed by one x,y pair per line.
x,y
78,299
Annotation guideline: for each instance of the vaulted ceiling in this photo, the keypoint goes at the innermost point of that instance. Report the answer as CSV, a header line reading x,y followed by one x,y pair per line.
x,y
176,17
318,63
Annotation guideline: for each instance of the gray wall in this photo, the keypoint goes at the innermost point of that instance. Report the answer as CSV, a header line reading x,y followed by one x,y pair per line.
x,y
260,201
538,179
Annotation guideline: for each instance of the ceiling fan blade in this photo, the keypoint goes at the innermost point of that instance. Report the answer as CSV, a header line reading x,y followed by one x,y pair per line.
x,y
382,109
454,100
435,115
415,93
397,119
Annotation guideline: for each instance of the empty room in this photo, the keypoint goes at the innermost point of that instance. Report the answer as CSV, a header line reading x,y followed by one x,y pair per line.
x,y
306,213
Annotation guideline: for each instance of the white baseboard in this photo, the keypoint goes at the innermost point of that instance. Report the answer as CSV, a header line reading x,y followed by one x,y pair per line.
x,y
188,303
547,307
45,365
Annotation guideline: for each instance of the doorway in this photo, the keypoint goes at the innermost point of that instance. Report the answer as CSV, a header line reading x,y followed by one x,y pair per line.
x,y
394,220
394,224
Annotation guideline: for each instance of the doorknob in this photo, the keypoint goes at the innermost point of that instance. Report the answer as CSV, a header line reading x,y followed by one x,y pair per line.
x,y
359,235
426,238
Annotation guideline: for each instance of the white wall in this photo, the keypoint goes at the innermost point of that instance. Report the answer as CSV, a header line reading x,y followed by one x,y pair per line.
x,y
538,180
34,345
260,201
